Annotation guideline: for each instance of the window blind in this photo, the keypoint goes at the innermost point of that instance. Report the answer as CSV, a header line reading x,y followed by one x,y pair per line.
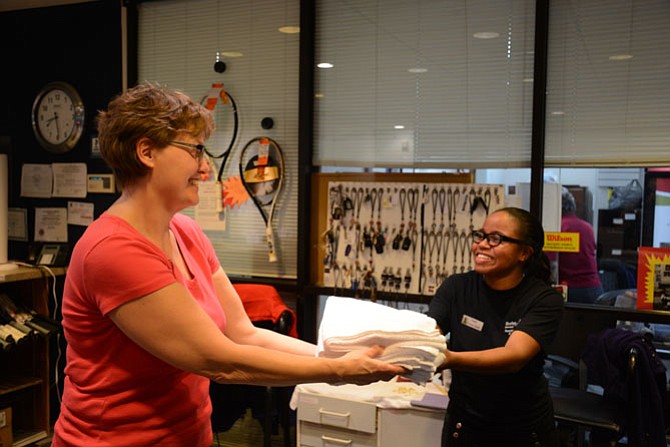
x,y
178,44
608,84
462,101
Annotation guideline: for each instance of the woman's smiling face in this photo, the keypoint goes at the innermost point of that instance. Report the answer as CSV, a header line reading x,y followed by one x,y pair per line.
x,y
504,263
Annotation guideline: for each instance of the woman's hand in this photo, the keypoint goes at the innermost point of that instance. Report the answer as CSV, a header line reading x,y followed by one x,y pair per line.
x,y
361,367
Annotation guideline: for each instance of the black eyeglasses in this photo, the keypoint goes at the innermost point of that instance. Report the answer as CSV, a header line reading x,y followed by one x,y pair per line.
x,y
493,239
197,151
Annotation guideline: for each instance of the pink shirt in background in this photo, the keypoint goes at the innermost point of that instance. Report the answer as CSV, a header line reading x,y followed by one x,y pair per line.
x,y
579,269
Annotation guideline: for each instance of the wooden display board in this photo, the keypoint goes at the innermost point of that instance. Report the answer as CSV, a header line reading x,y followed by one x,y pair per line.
x,y
320,204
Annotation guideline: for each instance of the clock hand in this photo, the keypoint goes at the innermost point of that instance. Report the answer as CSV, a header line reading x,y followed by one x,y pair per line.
x,y
57,128
55,117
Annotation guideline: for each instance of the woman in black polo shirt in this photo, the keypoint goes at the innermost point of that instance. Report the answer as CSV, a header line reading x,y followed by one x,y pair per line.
x,y
501,318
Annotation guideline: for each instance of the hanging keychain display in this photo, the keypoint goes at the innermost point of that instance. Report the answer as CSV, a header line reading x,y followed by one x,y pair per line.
x,y
402,237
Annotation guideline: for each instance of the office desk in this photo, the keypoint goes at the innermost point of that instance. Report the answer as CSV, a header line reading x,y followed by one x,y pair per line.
x,y
327,421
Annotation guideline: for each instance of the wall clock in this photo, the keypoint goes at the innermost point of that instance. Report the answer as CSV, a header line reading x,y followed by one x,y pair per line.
x,y
58,117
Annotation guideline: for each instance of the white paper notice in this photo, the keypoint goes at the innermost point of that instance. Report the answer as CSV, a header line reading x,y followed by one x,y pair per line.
x,y
51,224
17,224
69,179
79,213
36,180
205,212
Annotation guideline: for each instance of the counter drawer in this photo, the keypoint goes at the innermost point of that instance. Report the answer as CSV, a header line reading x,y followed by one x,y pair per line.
x,y
330,411
315,435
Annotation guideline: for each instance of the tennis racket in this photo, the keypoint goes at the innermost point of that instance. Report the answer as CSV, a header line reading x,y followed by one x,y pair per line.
x,y
210,101
262,174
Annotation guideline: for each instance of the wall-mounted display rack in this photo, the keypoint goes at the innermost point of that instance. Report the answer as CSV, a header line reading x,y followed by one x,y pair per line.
x,y
398,234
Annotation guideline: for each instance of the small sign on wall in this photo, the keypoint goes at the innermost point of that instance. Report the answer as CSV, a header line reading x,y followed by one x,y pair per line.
x,y
561,242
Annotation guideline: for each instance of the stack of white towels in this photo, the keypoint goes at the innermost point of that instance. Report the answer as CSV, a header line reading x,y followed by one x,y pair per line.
x,y
410,339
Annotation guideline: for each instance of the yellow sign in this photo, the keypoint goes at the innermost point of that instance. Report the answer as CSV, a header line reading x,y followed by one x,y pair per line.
x,y
562,242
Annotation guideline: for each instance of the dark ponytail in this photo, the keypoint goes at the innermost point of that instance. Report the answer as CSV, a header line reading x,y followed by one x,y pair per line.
x,y
531,232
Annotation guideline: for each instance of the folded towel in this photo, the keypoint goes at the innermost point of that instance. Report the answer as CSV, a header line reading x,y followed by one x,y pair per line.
x,y
420,353
339,345
410,339
348,316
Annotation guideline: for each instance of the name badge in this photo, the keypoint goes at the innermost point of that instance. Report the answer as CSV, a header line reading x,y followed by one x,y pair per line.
x,y
472,323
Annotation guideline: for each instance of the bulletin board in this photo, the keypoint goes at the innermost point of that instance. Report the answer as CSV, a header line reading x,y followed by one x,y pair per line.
x,y
395,233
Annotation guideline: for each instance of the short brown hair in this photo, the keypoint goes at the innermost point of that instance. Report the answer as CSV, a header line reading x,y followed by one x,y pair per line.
x,y
152,111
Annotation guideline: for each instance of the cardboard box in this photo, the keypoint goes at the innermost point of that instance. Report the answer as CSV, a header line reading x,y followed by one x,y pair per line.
x,y
6,438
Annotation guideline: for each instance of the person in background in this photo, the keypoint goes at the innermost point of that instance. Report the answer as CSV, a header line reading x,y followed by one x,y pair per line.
x,y
149,315
578,270
499,320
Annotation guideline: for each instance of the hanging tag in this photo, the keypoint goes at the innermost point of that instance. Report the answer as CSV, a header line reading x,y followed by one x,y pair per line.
x,y
430,286
367,239
347,204
213,96
397,240
263,151
380,240
406,243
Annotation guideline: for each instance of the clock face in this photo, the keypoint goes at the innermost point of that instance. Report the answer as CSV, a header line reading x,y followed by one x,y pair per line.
x,y
58,117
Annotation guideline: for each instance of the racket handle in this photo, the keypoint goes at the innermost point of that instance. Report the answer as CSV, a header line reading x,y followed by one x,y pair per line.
x,y
272,254
219,197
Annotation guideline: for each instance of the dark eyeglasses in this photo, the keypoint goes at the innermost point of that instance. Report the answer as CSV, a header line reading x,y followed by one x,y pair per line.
x,y
197,151
493,239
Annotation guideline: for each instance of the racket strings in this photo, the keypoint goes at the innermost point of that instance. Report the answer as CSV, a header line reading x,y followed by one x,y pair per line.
x,y
267,154
233,138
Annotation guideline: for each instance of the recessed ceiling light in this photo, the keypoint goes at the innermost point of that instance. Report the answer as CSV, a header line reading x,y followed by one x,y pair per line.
x,y
418,70
399,126
318,95
558,112
486,35
289,29
528,80
325,65
620,57
231,54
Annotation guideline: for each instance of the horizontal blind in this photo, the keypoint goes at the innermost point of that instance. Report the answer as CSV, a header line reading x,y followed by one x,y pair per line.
x,y
608,87
178,42
470,106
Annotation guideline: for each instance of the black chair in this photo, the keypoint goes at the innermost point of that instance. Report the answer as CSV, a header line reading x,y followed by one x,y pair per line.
x,y
616,274
634,402
579,411
269,405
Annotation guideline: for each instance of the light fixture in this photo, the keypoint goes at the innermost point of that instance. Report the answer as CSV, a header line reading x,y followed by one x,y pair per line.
x,y
231,54
289,29
486,35
417,70
399,126
620,57
325,65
